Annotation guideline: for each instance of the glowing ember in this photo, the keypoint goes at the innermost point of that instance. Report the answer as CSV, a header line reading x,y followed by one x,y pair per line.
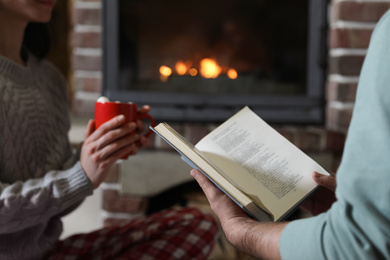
x,y
209,68
180,68
165,71
193,72
232,73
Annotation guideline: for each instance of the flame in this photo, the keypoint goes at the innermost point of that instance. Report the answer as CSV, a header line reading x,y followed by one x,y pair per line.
x,y
209,68
181,68
165,71
193,72
232,73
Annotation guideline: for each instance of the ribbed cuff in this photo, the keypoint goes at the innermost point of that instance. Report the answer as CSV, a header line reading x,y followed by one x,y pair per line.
x,y
75,185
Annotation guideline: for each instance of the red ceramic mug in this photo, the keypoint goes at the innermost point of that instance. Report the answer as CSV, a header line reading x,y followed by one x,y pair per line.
x,y
107,110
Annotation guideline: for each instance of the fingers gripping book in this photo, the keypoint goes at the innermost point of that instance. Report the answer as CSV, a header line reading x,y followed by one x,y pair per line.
x,y
258,168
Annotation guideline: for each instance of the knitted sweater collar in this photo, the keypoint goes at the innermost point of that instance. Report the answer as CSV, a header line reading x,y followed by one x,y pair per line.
x,y
17,73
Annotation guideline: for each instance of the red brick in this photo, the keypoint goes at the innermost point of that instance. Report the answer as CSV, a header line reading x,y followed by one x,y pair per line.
x,y
335,141
338,119
345,92
346,65
310,140
87,16
350,38
359,11
86,39
85,62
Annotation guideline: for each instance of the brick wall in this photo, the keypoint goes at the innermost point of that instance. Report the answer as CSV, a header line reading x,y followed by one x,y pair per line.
x,y
351,24
86,60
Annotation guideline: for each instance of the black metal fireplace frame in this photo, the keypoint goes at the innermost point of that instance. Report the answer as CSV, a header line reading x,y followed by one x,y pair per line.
x,y
308,108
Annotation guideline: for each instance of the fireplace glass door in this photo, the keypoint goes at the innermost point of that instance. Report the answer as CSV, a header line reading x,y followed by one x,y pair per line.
x,y
200,61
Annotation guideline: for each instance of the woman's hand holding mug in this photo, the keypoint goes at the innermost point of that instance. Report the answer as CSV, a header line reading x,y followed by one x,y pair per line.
x,y
114,134
106,110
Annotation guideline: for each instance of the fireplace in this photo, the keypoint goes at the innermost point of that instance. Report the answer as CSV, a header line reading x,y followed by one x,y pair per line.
x,y
201,61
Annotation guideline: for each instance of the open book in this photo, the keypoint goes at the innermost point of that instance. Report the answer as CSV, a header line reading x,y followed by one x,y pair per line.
x,y
263,172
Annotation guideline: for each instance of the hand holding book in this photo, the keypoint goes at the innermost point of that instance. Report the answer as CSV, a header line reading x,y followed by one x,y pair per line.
x,y
324,197
252,163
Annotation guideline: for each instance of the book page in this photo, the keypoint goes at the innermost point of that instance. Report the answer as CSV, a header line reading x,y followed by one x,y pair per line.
x,y
255,156
192,156
196,159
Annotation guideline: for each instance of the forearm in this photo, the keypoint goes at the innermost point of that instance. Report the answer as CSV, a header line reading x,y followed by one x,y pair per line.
x,y
248,235
255,238
25,204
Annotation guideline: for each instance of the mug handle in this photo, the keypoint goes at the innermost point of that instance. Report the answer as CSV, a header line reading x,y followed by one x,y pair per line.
x,y
152,122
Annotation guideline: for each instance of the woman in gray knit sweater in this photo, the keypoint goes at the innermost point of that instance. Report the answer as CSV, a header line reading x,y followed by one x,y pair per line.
x,y
41,180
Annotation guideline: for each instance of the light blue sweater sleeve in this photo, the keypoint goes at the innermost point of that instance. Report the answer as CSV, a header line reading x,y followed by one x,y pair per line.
x,y
358,224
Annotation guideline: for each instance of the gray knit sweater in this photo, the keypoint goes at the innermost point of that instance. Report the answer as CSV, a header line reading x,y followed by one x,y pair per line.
x,y
40,178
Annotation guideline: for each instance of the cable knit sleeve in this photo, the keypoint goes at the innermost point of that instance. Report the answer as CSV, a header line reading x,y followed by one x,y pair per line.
x,y
27,204
40,177
358,224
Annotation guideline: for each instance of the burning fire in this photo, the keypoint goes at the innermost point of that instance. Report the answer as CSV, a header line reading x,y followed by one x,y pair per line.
x,y
209,69
165,72
181,68
193,72
232,73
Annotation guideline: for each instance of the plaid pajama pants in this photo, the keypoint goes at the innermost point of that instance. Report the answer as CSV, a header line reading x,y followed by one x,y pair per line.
x,y
170,234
